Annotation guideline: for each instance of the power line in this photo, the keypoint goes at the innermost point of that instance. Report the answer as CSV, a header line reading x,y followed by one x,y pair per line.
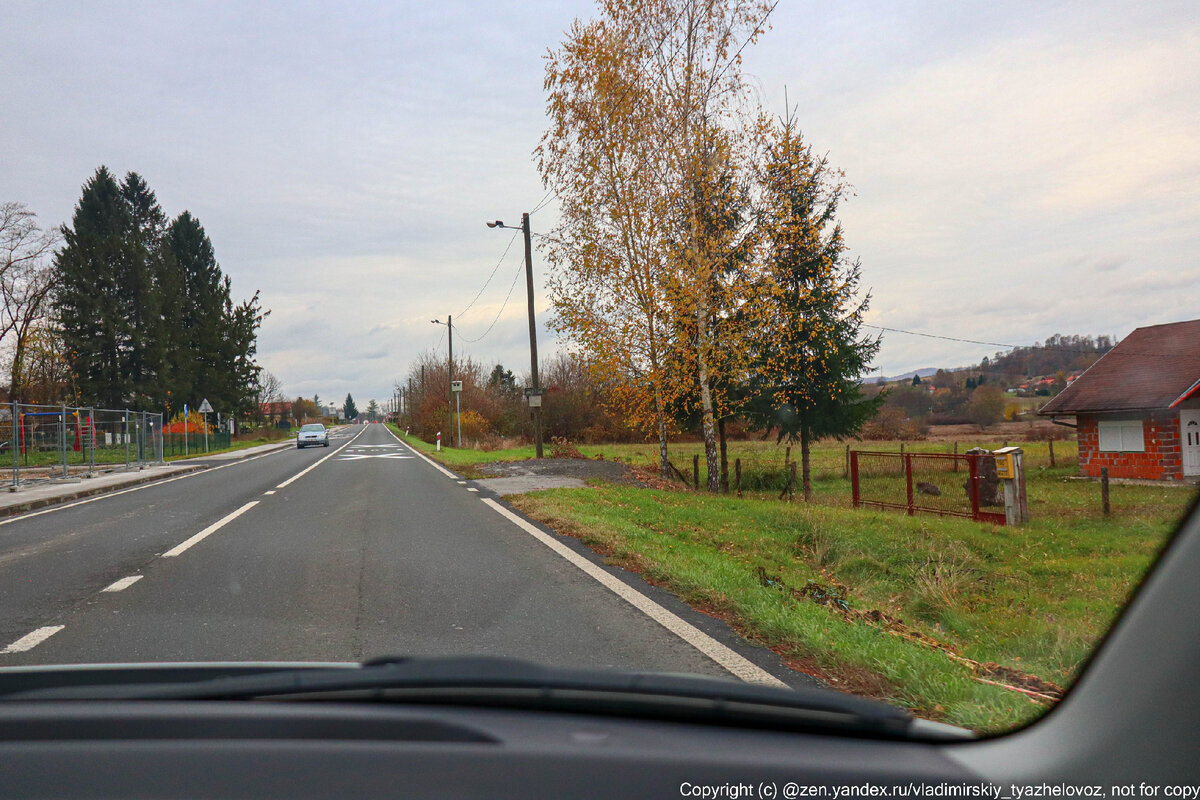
x,y
552,194
753,33
520,269
489,278
544,201
1086,351
936,336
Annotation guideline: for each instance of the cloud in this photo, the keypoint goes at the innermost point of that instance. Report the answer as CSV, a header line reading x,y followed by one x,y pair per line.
x,y
1020,168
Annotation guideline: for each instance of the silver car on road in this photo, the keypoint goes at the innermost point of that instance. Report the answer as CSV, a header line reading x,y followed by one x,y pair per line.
x,y
314,434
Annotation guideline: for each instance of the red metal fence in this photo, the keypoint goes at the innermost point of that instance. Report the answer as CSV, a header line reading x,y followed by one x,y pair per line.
x,y
958,485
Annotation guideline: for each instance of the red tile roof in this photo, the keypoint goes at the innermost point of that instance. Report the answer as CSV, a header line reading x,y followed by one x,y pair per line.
x,y
1153,367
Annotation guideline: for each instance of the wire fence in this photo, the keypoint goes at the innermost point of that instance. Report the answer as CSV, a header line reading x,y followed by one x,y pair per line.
x,y
195,442
42,443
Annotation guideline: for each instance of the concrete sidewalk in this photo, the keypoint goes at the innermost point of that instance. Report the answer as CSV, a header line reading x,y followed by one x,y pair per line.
x,y
32,496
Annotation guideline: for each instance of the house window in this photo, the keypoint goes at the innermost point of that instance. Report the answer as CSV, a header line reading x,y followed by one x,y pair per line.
x,y
1122,436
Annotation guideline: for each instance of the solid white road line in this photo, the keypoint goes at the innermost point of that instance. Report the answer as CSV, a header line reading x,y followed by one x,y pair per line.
x,y
209,531
122,584
419,454
32,640
318,462
149,485
734,663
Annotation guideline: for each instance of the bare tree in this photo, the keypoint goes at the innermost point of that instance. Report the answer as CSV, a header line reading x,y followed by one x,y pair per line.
x,y
26,283
268,388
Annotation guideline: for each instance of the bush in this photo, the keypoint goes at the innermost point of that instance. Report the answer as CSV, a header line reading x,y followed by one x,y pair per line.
x,y
986,406
891,424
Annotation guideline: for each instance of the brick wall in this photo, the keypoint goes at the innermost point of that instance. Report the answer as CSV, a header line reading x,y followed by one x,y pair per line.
x,y
1162,460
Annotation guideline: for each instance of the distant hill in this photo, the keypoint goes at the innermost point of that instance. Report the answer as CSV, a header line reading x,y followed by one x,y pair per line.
x,y
907,376
1068,354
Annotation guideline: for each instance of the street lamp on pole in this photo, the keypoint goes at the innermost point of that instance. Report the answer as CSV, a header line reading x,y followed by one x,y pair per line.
x,y
535,393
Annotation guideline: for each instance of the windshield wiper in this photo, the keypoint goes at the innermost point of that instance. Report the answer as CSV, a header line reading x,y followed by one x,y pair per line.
x,y
510,683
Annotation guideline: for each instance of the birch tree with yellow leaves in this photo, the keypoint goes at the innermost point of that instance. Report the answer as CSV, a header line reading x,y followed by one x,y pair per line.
x,y
647,103
609,275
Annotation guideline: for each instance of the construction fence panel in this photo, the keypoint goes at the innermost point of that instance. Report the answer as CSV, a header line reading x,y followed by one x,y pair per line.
x,y
45,442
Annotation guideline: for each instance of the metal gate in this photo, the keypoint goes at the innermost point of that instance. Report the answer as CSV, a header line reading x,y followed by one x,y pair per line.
x,y
955,485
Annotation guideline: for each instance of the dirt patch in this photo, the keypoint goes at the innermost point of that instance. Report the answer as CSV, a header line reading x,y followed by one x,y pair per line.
x,y
834,596
1015,432
582,468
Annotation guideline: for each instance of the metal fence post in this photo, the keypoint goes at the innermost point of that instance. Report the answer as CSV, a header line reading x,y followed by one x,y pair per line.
x,y
973,484
91,441
62,439
855,494
126,429
16,448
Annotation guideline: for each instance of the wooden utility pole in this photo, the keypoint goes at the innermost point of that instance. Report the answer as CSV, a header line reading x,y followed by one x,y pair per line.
x,y
533,357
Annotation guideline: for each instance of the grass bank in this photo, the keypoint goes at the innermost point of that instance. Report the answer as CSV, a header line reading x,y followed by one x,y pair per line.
x,y
919,611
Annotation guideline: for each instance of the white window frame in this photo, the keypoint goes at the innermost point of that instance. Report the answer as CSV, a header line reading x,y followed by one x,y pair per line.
x,y
1121,436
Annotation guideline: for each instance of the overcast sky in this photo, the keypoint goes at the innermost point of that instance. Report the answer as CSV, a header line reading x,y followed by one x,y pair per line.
x,y
1020,169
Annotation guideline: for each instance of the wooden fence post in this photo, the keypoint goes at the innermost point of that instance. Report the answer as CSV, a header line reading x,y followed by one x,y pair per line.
x,y
956,456
696,472
1104,490
908,475
789,483
737,473
1051,452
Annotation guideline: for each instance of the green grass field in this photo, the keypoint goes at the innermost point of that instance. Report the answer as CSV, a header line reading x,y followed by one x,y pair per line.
x,y
804,579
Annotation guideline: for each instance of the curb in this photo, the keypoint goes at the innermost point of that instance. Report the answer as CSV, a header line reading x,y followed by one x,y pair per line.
x,y
235,455
17,509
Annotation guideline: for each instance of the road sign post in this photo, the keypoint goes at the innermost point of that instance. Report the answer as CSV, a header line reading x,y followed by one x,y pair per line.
x,y
206,409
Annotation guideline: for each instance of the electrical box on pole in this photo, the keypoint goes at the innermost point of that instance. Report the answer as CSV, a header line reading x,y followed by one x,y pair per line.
x,y
1010,469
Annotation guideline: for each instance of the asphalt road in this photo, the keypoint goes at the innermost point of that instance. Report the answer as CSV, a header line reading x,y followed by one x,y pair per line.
x,y
358,550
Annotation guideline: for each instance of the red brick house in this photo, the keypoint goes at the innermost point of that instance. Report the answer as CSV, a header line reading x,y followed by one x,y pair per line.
x,y
1137,409
276,412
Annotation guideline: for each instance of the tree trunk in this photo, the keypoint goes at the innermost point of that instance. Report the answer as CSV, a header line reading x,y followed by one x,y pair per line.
x,y
706,401
16,379
806,476
664,466
724,456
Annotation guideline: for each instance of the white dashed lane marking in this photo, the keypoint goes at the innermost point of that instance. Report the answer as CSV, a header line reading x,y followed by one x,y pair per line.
x,y
122,584
209,531
32,640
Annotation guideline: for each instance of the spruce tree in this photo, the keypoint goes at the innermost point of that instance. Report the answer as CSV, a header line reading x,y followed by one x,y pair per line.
x,y
143,274
811,351
91,301
201,314
351,410
146,314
